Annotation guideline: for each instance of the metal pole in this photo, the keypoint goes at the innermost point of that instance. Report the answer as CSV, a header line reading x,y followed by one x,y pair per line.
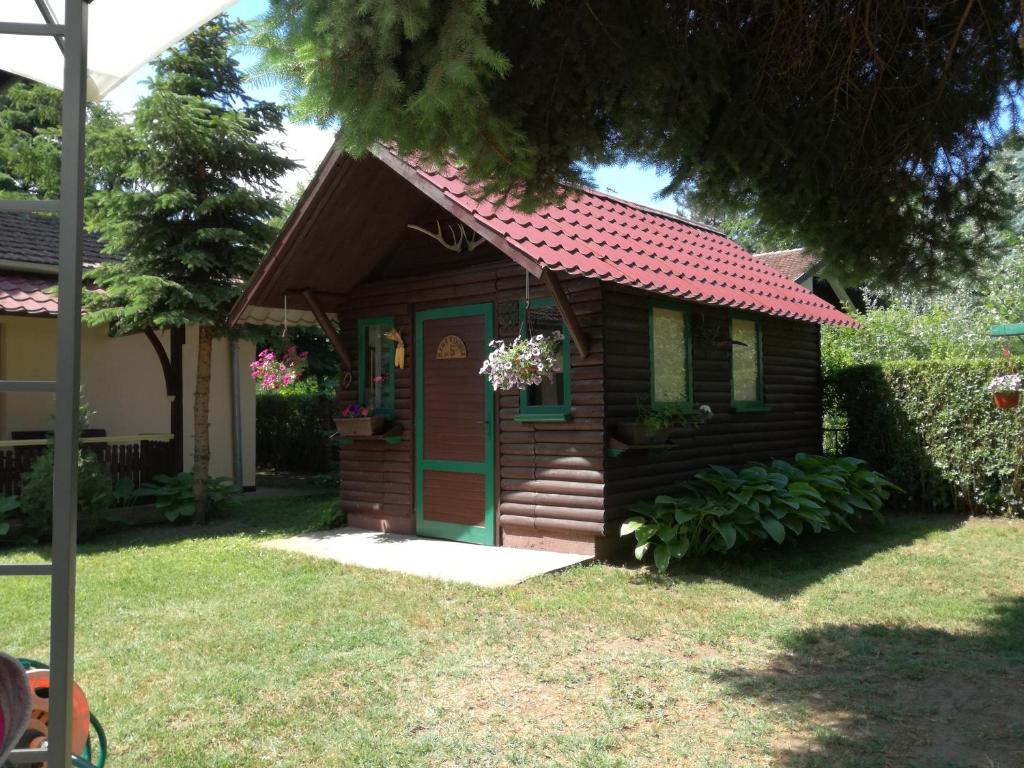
x,y
65,450
236,417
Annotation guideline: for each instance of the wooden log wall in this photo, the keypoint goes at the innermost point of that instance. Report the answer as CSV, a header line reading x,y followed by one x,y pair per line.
x,y
792,382
550,476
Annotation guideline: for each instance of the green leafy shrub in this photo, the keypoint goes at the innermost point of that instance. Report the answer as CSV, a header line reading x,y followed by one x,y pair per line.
x,y
172,495
934,428
95,495
293,432
720,509
671,416
8,504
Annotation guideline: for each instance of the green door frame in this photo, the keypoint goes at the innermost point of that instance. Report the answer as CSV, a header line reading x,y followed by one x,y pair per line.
x,y
453,531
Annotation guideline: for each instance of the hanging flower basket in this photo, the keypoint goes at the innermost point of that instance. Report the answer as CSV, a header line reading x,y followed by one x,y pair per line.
x,y
273,372
1005,390
359,421
523,362
1006,399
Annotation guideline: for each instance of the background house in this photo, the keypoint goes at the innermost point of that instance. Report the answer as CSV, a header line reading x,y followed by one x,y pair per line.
x,y
656,310
142,400
806,269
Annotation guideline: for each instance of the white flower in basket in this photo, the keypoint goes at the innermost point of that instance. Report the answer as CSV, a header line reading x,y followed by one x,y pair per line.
x,y
523,362
1008,382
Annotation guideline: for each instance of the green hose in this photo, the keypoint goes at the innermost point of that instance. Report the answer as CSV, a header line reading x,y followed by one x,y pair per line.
x,y
85,761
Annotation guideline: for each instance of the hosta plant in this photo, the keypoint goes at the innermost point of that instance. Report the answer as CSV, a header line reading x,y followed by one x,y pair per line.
x,y
523,362
172,494
720,509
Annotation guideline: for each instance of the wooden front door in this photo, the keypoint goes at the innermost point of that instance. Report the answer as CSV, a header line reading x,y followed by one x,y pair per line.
x,y
454,424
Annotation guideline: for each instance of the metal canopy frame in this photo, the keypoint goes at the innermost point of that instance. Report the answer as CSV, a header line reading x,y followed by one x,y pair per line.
x,y
1013,329
71,37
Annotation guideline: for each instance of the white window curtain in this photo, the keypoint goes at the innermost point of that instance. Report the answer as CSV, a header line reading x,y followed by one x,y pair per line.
x,y
124,35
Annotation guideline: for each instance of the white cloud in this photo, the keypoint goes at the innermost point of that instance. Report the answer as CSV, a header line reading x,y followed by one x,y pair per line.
x,y
306,145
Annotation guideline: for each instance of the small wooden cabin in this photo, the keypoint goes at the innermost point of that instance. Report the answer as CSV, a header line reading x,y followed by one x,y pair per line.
x,y
654,309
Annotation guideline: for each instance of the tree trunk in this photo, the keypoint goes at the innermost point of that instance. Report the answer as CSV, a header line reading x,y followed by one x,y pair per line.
x,y
201,457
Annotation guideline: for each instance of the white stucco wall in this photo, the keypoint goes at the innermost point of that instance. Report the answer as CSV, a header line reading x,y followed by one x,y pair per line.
x,y
124,386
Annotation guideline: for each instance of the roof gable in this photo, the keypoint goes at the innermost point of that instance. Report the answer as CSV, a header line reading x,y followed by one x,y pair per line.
x,y
590,234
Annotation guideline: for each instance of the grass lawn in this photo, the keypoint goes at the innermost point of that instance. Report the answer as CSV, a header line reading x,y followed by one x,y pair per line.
x,y
902,646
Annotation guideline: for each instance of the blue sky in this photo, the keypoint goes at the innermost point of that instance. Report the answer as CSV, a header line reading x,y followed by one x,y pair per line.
x,y
308,145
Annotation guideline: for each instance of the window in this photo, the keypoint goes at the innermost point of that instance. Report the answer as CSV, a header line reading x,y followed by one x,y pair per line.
x,y
747,373
549,400
670,356
377,365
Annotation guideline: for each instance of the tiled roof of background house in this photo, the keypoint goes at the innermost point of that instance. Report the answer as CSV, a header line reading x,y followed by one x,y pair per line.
x,y
24,294
794,263
600,236
32,239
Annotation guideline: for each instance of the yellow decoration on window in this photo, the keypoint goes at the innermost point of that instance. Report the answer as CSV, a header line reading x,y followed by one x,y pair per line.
x,y
396,337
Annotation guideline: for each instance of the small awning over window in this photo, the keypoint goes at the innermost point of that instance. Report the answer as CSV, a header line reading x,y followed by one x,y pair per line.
x,y
123,36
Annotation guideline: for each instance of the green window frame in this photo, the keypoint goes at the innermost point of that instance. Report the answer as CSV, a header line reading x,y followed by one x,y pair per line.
x,y
741,355
560,412
383,360
685,356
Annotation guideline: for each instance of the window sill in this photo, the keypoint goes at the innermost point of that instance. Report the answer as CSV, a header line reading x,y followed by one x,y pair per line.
x,y
541,417
750,408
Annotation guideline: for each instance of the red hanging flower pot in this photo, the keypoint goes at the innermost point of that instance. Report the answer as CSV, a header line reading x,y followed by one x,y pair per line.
x,y
1006,399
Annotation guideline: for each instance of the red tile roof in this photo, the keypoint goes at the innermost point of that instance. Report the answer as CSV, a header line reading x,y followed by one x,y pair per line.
x,y
794,263
24,294
597,235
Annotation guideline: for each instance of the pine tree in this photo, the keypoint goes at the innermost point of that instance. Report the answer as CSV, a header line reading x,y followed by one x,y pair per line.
x,y
190,216
864,127
30,134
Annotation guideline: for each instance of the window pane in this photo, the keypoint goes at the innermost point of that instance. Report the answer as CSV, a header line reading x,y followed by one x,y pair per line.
x,y
376,367
668,358
545,318
745,361
547,392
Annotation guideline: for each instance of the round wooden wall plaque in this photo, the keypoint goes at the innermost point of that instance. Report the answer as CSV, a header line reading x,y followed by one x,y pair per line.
x,y
451,347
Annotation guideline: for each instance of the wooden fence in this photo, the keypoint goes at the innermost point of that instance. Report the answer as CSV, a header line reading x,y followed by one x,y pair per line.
x,y
137,461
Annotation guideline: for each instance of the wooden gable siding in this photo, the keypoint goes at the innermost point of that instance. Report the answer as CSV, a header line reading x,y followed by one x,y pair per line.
x,y
792,390
549,475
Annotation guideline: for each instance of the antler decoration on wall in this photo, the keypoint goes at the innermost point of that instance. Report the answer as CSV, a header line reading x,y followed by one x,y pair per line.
x,y
462,240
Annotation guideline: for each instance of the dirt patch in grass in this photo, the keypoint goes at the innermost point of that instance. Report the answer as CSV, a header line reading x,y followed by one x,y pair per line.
x,y
908,696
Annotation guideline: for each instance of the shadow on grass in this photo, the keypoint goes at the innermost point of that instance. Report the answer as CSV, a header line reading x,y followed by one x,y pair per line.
x,y
877,695
291,515
782,572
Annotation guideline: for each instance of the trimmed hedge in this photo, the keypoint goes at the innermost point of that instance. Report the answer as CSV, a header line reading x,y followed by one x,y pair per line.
x,y
934,430
293,432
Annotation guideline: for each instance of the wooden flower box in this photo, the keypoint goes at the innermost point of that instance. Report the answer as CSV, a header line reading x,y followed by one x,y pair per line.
x,y
360,426
633,433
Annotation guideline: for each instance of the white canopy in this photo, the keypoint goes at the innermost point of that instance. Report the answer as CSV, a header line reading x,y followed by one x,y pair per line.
x,y
124,35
